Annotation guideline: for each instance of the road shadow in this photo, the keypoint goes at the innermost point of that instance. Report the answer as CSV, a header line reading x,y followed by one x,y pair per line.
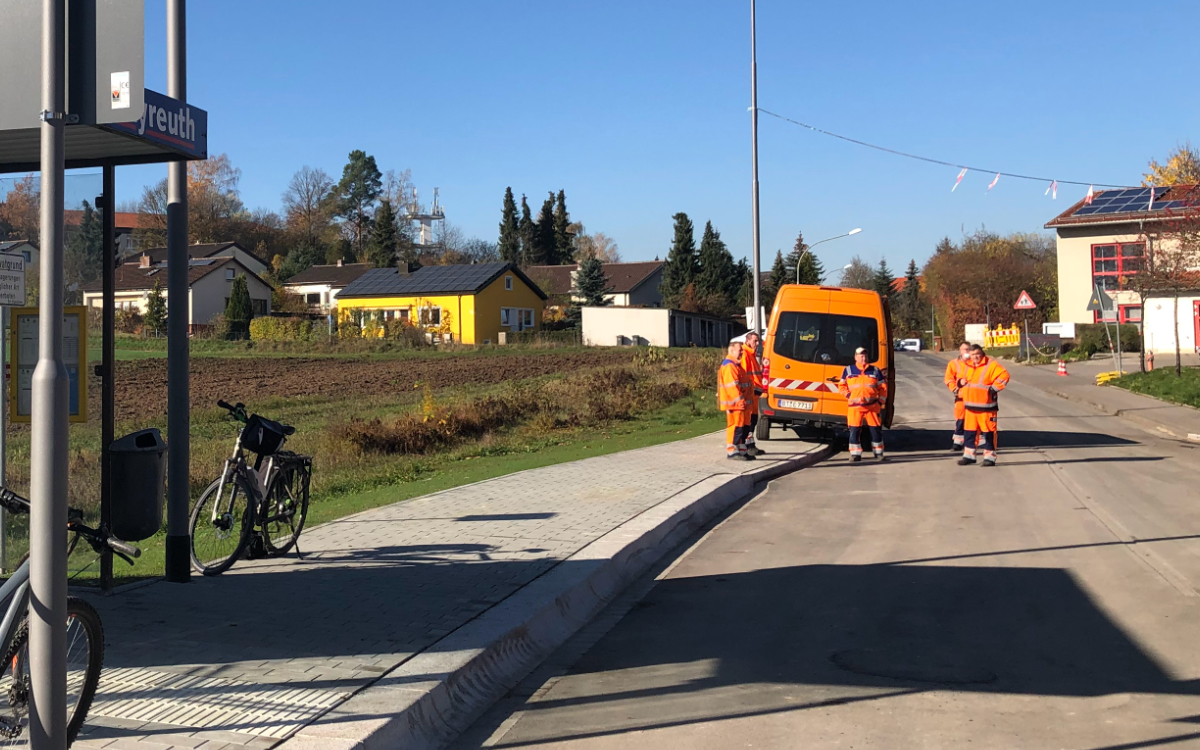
x,y
852,633
913,440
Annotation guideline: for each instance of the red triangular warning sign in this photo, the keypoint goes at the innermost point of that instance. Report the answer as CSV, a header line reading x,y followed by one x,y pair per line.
x,y
1024,302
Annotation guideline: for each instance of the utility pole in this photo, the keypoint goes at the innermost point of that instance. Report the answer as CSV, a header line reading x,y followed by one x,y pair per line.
x,y
178,563
50,405
758,324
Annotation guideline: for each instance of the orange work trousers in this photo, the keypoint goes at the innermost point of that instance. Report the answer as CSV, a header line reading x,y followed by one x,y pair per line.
x,y
736,423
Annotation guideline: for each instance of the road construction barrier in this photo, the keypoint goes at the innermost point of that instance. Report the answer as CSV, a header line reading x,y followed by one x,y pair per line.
x,y
1002,337
1104,377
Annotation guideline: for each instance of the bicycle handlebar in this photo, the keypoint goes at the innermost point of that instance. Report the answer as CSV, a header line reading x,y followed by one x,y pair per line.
x,y
123,547
14,503
237,411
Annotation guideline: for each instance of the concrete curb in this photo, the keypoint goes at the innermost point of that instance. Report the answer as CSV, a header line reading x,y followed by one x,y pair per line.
x,y
428,700
1128,415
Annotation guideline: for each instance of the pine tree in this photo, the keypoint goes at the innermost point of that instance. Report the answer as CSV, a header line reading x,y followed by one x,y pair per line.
x,y
717,282
591,284
301,258
384,245
745,284
780,275
884,278
156,309
544,248
528,230
85,248
911,315
356,194
239,311
564,245
510,233
679,270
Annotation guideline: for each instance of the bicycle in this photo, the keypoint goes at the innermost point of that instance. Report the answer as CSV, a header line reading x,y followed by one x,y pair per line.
x,y
273,497
85,636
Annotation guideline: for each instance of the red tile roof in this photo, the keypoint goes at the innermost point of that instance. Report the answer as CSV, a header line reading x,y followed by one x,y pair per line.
x,y
622,277
132,277
122,219
1188,194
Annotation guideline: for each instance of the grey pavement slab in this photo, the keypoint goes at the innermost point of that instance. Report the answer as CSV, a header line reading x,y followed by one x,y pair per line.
x,y
248,658
1049,602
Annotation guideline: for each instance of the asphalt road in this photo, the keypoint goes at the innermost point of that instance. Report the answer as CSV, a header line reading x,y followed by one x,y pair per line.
x,y
1048,602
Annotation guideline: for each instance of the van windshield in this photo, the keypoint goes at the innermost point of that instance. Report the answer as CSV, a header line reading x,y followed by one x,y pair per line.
x,y
824,339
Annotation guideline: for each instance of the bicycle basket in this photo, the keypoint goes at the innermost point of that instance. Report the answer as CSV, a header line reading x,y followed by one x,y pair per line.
x,y
262,436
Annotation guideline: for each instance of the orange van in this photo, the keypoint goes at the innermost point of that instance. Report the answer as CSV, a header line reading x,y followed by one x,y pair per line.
x,y
810,339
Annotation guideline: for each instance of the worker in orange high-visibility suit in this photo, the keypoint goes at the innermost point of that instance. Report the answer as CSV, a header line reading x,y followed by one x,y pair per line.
x,y
865,389
983,380
954,373
733,391
753,368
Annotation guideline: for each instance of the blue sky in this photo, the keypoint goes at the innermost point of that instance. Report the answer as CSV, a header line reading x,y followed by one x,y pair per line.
x,y
639,109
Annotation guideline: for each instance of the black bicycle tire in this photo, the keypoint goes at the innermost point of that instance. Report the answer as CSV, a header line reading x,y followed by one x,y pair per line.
x,y
303,471
91,680
243,539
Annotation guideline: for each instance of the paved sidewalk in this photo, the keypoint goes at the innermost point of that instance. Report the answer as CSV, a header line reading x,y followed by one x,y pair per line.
x,y
250,657
1182,422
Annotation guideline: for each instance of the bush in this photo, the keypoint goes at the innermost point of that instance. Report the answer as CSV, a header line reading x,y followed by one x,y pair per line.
x,y
128,320
405,333
287,329
567,337
348,329
1093,338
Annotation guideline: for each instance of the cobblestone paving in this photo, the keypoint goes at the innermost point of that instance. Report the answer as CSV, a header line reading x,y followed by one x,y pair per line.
x,y
245,659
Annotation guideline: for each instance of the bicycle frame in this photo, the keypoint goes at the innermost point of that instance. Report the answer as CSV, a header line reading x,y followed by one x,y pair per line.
x,y
237,462
16,588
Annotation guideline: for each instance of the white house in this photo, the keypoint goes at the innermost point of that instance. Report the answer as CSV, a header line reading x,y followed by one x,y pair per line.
x,y
1104,244
158,255
320,285
647,326
630,284
209,282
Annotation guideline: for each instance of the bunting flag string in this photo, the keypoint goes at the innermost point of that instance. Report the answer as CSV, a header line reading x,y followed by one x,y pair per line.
x,y
1052,190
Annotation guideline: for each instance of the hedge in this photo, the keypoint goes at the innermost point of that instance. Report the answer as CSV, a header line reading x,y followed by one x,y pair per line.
x,y
1093,338
287,329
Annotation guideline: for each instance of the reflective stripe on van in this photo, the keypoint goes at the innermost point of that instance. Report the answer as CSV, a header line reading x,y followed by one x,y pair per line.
x,y
802,385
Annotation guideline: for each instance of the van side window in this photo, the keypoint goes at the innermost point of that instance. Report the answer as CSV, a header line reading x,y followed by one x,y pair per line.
x,y
823,339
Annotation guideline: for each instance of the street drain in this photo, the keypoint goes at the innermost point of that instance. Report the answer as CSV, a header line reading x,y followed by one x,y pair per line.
x,y
912,667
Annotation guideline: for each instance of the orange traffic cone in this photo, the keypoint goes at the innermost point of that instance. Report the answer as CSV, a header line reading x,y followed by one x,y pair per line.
x,y
1062,367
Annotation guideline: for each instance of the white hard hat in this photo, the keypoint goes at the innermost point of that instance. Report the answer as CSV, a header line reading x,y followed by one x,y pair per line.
x,y
739,339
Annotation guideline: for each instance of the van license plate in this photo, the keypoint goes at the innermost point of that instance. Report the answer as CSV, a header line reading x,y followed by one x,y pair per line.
x,y
801,405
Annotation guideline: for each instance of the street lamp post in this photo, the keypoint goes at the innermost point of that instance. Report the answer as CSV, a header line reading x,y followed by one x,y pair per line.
x,y
754,165
808,249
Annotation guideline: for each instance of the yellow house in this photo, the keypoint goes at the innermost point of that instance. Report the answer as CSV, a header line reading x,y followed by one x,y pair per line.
x,y
472,302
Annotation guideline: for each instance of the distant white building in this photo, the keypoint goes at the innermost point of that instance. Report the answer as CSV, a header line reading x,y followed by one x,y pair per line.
x,y
645,326
158,255
320,285
209,283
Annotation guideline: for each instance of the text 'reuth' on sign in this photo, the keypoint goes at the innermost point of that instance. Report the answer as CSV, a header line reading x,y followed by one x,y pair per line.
x,y
12,280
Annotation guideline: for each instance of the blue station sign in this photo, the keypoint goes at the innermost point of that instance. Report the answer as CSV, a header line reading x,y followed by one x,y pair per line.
x,y
170,124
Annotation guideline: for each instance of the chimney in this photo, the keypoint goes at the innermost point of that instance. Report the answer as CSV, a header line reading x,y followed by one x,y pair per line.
x,y
339,262
404,268
144,262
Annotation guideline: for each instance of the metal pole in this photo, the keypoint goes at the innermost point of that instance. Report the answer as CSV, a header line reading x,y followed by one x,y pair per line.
x,y
4,438
1120,359
108,369
178,566
48,444
758,324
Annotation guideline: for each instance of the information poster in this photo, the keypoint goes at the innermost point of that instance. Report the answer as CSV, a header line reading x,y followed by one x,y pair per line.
x,y
25,352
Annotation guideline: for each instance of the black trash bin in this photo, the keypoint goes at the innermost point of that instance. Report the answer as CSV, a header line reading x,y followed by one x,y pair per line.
x,y
139,477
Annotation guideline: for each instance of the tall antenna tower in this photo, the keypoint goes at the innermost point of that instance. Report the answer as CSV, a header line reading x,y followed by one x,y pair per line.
x,y
427,221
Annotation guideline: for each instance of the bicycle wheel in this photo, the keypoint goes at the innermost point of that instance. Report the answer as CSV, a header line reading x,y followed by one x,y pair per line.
x,y
286,506
85,657
218,542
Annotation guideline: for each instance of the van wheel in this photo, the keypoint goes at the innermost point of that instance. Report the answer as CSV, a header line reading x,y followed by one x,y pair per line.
x,y
762,430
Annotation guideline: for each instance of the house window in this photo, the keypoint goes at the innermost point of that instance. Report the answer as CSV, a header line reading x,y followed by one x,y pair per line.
x,y
508,283
506,317
257,306
229,272
28,256
526,319
402,314
1131,314
1112,262
431,316
313,299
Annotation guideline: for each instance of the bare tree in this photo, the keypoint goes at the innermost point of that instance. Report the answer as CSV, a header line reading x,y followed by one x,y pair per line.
x,y
306,204
398,189
598,245
858,275
1172,266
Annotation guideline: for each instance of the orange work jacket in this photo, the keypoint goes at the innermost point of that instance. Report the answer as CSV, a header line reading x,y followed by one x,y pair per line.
x,y
984,381
956,369
753,370
865,388
732,385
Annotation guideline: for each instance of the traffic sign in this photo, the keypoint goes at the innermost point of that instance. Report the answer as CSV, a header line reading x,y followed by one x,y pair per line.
x,y
12,280
1024,302
1100,301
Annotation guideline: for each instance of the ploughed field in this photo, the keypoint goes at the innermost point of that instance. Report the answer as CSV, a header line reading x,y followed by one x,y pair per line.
x,y
141,385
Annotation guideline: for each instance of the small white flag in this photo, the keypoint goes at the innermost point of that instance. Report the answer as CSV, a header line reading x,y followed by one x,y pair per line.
x,y
993,182
961,175
1150,206
1087,201
1053,188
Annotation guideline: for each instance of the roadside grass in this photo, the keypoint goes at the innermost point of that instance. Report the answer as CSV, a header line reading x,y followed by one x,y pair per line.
x,y
660,397
1163,384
